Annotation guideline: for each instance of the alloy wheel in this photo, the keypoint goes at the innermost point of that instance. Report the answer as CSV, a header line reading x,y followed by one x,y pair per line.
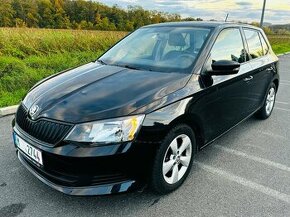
x,y
270,100
177,159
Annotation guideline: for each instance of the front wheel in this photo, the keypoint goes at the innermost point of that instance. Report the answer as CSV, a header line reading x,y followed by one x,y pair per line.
x,y
173,159
269,103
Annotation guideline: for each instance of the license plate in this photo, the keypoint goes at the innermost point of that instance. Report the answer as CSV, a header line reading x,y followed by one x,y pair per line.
x,y
29,150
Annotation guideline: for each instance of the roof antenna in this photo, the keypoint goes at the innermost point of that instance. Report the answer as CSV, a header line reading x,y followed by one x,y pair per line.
x,y
227,17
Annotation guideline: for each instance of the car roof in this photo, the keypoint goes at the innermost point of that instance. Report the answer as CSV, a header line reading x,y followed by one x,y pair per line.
x,y
209,24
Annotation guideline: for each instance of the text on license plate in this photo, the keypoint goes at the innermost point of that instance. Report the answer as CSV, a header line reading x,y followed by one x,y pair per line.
x,y
29,150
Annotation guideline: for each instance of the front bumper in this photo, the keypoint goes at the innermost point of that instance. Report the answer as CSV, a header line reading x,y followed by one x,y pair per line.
x,y
79,170
102,189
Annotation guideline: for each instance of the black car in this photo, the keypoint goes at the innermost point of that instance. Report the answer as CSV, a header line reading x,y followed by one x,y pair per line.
x,y
140,112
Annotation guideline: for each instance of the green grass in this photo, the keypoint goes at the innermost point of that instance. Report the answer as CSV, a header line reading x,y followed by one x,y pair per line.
x,y
280,43
29,55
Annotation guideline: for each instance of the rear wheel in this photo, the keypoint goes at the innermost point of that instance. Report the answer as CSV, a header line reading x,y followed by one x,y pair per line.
x,y
173,159
269,103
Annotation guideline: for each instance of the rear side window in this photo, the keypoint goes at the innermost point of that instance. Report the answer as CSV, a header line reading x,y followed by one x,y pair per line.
x,y
229,46
264,44
254,43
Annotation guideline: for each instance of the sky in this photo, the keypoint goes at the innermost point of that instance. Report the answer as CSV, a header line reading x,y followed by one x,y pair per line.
x,y
277,11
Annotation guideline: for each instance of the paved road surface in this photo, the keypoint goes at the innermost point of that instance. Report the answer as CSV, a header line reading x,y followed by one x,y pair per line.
x,y
244,173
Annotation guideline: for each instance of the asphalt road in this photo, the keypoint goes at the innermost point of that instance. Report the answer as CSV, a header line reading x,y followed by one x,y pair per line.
x,y
244,173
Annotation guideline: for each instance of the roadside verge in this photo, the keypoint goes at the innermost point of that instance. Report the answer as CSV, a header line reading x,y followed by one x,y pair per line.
x,y
8,110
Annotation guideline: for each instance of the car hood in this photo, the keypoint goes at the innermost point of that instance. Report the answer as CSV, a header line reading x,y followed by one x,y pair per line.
x,y
94,91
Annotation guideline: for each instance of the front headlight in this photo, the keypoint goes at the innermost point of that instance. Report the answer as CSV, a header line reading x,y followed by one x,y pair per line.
x,y
107,131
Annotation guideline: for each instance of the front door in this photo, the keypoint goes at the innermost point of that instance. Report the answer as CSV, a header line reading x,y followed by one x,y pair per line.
x,y
229,103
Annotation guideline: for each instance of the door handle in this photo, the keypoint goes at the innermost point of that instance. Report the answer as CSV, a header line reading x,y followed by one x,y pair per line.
x,y
269,69
248,78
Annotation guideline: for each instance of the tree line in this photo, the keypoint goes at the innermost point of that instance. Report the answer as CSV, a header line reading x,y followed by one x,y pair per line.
x,y
78,14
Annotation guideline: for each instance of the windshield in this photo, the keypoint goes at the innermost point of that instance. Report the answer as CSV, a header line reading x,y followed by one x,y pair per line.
x,y
164,49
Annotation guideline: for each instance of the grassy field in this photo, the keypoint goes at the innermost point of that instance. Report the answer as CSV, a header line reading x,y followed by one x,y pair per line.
x,y
28,55
280,43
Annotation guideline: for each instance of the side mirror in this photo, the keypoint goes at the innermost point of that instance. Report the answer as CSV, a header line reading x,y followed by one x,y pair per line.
x,y
225,67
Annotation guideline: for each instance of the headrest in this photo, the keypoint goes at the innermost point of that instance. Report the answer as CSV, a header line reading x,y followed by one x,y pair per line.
x,y
176,39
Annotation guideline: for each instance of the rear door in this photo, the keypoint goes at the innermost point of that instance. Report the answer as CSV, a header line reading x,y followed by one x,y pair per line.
x,y
261,64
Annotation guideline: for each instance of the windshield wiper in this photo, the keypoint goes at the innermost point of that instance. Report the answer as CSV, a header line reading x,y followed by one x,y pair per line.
x,y
123,66
130,67
126,66
102,62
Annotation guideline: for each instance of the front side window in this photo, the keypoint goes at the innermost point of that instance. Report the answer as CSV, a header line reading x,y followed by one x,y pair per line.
x,y
164,49
229,46
254,43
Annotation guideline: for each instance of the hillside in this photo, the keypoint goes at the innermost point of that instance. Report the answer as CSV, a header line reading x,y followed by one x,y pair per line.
x,y
277,28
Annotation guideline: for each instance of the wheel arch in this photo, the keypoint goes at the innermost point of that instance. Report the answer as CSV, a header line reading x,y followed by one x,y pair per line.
x,y
194,123
276,82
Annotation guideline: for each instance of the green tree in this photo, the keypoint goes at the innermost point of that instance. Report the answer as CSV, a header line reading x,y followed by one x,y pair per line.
x,y
6,13
31,20
190,19
60,17
45,11
19,10
20,23
27,11
129,26
105,24
85,14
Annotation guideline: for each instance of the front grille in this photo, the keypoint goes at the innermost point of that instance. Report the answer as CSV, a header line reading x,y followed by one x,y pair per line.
x,y
50,132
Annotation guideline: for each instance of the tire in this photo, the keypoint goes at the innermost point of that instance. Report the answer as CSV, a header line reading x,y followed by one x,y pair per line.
x,y
163,182
268,106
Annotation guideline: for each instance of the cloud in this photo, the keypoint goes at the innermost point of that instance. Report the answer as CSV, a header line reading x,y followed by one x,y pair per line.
x,y
277,11
244,3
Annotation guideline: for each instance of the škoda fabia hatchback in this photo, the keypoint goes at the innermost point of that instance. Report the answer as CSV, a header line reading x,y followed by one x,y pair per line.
x,y
141,111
